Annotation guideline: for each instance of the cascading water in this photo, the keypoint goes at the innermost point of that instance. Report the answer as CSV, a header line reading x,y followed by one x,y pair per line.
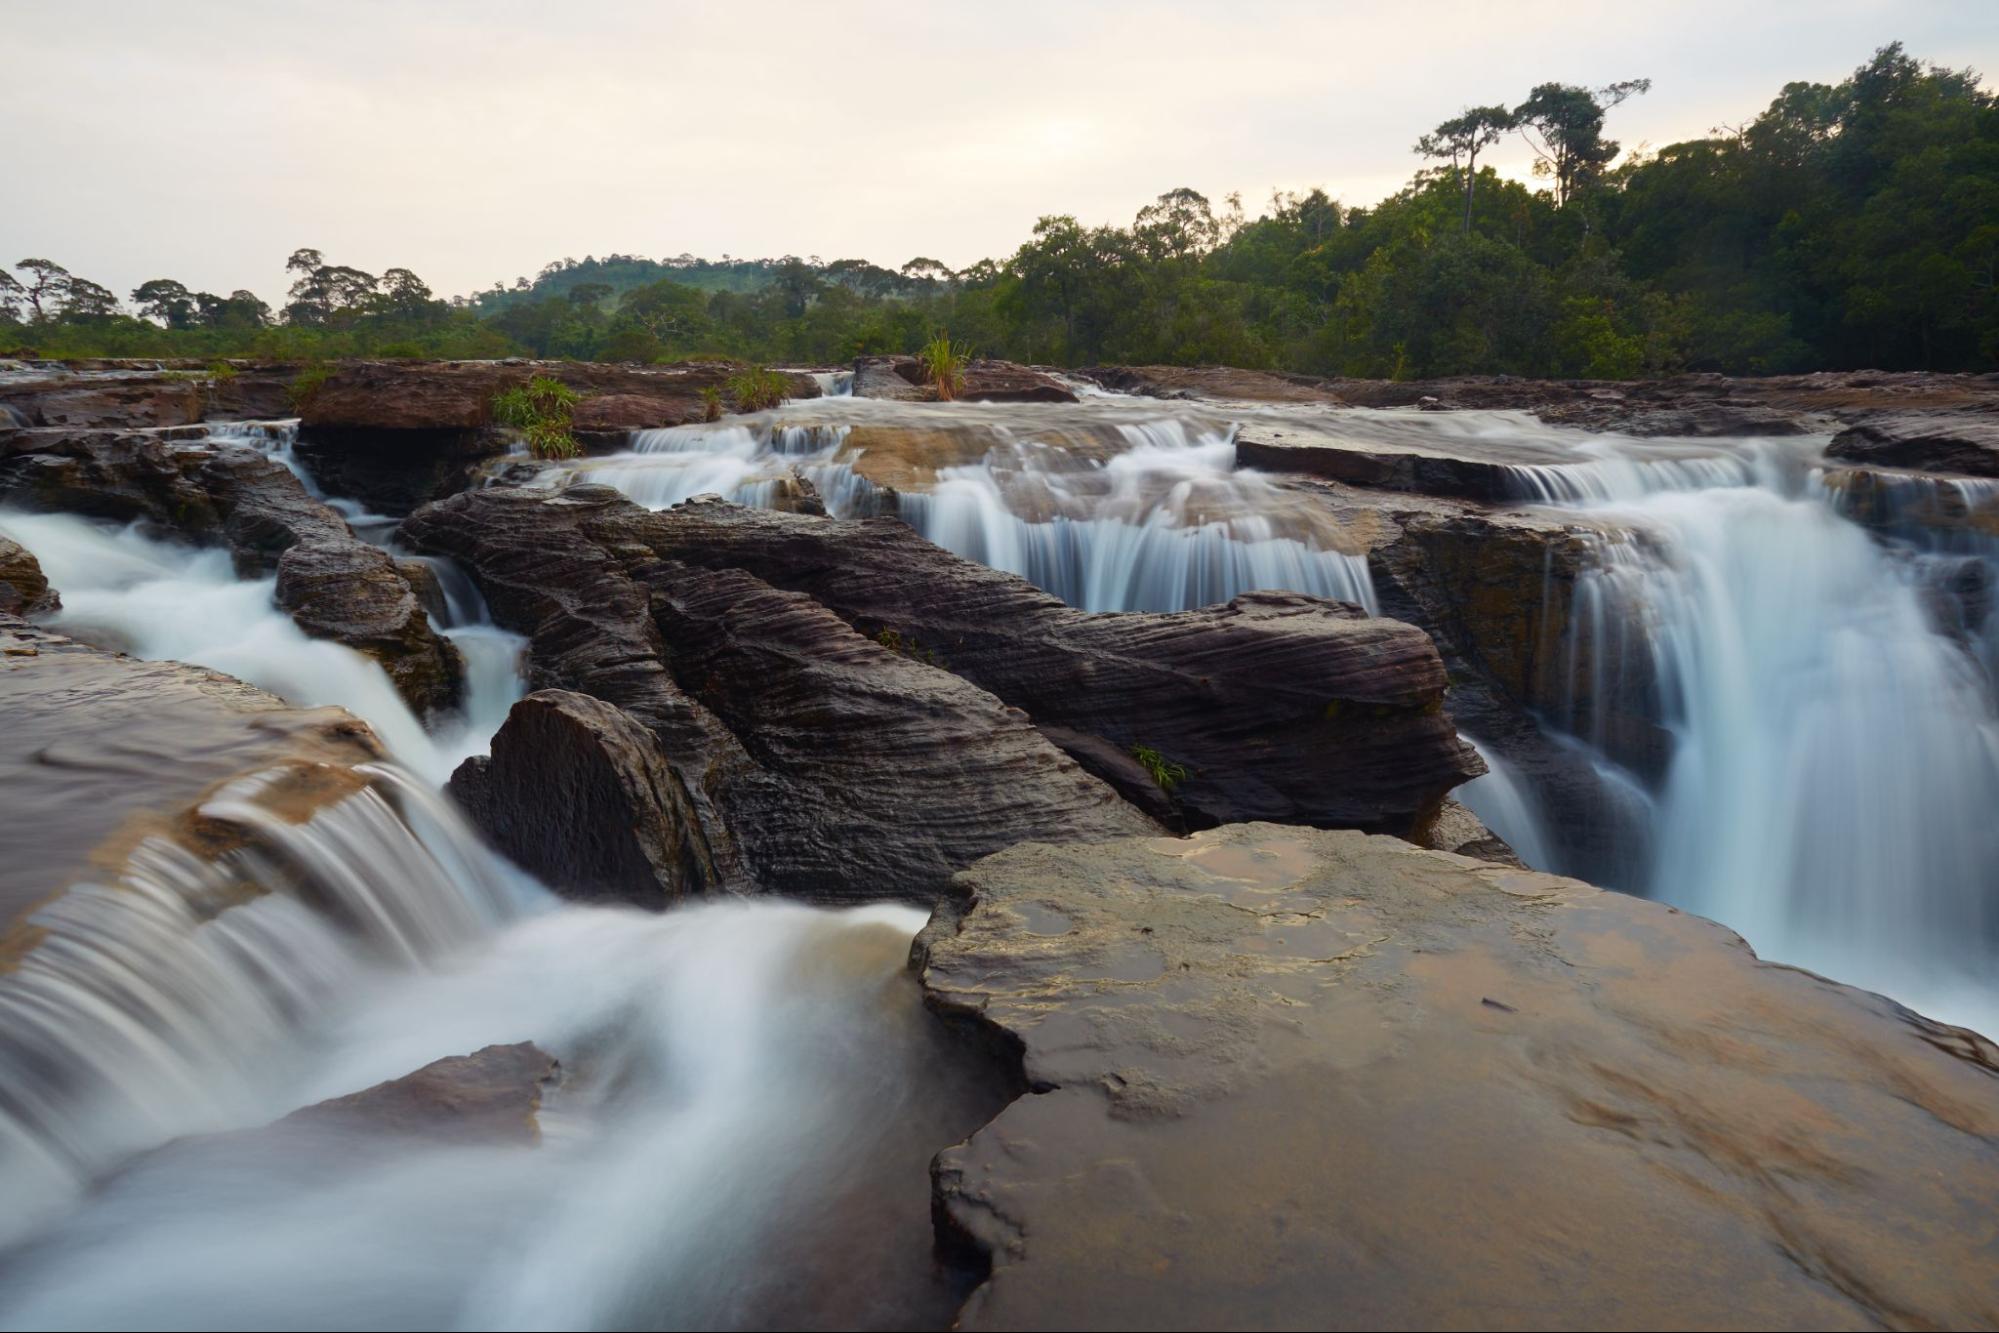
x,y
752,1090
124,590
1834,756
1157,518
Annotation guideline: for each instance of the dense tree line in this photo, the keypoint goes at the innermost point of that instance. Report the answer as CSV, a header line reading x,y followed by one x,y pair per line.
x,y
1849,225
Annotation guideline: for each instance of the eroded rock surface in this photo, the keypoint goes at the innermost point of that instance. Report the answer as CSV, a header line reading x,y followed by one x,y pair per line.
x,y
101,751
1296,1078
752,740
1275,705
351,592
488,1097
24,589
986,381
1957,442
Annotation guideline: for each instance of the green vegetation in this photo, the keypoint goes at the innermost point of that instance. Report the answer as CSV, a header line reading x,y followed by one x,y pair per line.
x,y
1165,774
758,389
1849,225
711,404
944,366
906,645
541,410
306,385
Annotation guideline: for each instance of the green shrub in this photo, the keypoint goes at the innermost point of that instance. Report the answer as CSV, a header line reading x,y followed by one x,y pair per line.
x,y
758,389
221,370
305,385
711,404
1165,774
944,366
541,410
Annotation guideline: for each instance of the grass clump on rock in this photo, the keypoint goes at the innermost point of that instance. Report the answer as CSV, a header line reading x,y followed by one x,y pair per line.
x,y
758,389
541,411
1165,774
944,366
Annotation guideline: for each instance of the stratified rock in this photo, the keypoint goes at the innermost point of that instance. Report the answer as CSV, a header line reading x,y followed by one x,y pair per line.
x,y
1291,1078
1958,442
1457,829
353,593
488,1097
24,589
1222,383
780,750
396,434
1275,705
578,792
986,381
194,487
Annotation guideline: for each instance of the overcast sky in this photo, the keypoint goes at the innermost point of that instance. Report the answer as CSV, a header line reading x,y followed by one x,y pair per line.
x,y
474,142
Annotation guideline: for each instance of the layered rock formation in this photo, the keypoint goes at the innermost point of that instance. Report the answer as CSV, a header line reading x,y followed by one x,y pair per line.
x,y
1953,442
1290,1078
986,381
851,711
212,492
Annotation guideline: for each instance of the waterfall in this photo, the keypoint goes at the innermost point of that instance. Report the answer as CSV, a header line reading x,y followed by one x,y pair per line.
x,y
1834,756
1163,521
165,1001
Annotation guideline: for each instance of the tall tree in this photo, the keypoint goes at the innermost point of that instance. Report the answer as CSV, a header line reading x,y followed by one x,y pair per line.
x,y
43,292
1462,138
166,300
1563,124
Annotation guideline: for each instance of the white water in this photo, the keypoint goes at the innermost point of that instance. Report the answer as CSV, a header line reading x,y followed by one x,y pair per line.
x,y
1834,766
1163,521
752,1091
738,1077
154,599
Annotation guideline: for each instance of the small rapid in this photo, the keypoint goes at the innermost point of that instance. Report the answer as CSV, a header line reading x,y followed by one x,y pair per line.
x,y
1110,508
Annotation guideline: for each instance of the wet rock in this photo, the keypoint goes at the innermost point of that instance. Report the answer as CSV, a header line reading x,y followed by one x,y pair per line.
x,y
489,1097
1499,591
194,487
24,589
1293,1078
579,793
101,752
778,750
1457,829
1275,705
986,381
1956,442
353,593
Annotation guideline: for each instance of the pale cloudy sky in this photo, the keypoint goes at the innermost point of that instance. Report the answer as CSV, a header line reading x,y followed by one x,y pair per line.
x,y
475,141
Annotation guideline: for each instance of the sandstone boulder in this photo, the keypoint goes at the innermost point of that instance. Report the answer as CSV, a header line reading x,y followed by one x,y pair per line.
x,y
353,593
24,590
1290,1078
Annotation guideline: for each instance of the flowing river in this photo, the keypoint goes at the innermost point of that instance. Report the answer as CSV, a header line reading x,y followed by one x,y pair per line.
x,y
760,1078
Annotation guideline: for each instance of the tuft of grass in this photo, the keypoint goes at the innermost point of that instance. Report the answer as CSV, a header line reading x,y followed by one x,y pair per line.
x,y
711,404
305,386
221,370
758,389
906,645
944,366
541,410
1165,774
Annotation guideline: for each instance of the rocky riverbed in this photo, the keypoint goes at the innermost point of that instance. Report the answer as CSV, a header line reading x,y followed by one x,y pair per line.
x,y
1221,725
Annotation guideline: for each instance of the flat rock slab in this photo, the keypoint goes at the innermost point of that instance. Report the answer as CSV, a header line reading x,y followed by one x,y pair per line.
x,y
1297,1078
100,751
1941,442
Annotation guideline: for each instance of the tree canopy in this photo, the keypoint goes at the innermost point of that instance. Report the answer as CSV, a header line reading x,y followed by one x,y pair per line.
x,y
1848,225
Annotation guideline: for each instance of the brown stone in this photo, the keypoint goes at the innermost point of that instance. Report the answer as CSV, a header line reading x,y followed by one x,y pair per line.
x,y
1291,1078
